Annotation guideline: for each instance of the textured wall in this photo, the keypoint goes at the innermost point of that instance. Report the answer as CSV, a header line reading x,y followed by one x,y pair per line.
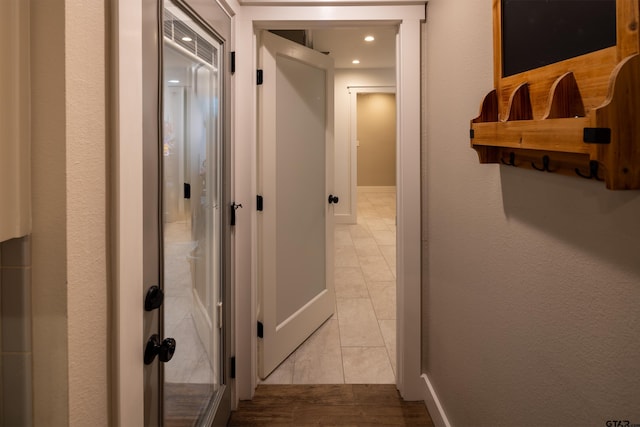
x,y
69,241
532,280
87,232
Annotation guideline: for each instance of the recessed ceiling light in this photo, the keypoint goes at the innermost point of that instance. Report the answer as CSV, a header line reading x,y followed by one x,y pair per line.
x,y
187,39
369,38
355,61
174,81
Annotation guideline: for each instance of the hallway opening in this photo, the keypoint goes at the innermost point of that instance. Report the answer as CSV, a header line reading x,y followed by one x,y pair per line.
x,y
407,19
358,343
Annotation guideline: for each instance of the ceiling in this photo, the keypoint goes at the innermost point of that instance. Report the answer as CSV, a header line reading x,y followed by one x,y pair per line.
x,y
343,44
347,44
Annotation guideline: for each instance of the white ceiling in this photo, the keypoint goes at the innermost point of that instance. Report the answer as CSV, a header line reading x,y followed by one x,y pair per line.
x,y
347,44
343,44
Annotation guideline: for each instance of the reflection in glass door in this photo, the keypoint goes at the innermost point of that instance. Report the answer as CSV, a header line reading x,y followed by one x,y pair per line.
x,y
191,226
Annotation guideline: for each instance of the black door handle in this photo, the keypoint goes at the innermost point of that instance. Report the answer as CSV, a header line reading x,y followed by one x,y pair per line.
x,y
333,199
153,299
164,350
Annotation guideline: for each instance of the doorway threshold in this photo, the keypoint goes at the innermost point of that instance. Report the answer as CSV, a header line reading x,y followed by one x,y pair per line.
x,y
332,404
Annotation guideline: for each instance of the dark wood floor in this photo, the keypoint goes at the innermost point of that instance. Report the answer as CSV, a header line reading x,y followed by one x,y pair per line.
x,y
329,405
185,404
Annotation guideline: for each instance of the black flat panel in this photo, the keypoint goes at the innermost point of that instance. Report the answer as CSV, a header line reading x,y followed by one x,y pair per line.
x,y
536,33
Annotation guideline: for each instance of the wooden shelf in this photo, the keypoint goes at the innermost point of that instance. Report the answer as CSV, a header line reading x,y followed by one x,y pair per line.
x,y
579,117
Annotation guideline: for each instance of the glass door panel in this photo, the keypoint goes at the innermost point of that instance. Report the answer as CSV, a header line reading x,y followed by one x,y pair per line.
x,y
191,226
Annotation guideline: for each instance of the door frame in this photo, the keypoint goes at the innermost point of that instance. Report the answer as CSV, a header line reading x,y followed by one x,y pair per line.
x,y
408,66
127,391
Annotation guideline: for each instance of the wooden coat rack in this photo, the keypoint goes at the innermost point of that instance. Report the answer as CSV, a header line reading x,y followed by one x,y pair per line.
x,y
578,117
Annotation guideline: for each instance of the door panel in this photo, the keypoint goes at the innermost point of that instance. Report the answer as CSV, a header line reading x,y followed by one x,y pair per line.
x,y
296,225
300,184
187,180
191,213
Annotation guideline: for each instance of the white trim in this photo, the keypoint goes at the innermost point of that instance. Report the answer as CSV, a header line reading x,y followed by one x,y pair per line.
x,y
226,7
307,3
349,218
408,196
204,326
434,407
408,172
376,189
372,89
245,177
332,16
128,390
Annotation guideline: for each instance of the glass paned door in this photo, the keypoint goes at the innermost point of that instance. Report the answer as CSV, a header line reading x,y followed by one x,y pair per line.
x,y
191,218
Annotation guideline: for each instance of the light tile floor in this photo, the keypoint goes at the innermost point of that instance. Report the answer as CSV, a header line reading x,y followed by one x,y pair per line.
x,y
357,344
190,363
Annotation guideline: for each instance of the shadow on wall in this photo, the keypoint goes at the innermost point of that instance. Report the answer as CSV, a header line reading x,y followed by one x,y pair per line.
x,y
584,213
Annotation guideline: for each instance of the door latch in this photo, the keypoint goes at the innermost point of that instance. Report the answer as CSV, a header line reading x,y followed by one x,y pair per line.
x,y
333,199
234,207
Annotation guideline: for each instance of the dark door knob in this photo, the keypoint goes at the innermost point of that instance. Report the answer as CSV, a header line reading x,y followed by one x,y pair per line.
x,y
154,298
167,349
164,350
333,199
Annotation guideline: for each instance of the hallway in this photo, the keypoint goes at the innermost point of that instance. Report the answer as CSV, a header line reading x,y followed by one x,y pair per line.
x,y
357,345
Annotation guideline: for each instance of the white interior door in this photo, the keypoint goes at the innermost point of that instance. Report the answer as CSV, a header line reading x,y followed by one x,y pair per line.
x,y
295,179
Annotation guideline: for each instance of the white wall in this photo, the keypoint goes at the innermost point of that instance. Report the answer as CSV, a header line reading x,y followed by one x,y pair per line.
x,y
532,280
344,186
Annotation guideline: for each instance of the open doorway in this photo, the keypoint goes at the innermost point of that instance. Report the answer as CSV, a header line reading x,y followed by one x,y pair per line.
x,y
407,19
375,138
358,343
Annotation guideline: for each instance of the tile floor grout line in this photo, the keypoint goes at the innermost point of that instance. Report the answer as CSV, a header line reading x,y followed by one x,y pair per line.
x,y
344,377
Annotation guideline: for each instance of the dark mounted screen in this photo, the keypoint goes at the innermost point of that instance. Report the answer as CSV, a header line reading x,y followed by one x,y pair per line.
x,y
536,33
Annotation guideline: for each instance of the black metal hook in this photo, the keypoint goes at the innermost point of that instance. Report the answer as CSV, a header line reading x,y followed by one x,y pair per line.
x,y
545,165
512,160
593,171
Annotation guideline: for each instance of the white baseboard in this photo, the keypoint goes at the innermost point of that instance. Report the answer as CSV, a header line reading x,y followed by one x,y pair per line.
x,y
203,322
344,219
376,189
433,404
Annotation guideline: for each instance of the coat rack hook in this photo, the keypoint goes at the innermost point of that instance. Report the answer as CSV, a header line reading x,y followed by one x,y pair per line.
x,y
545,165
593,171
512,160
